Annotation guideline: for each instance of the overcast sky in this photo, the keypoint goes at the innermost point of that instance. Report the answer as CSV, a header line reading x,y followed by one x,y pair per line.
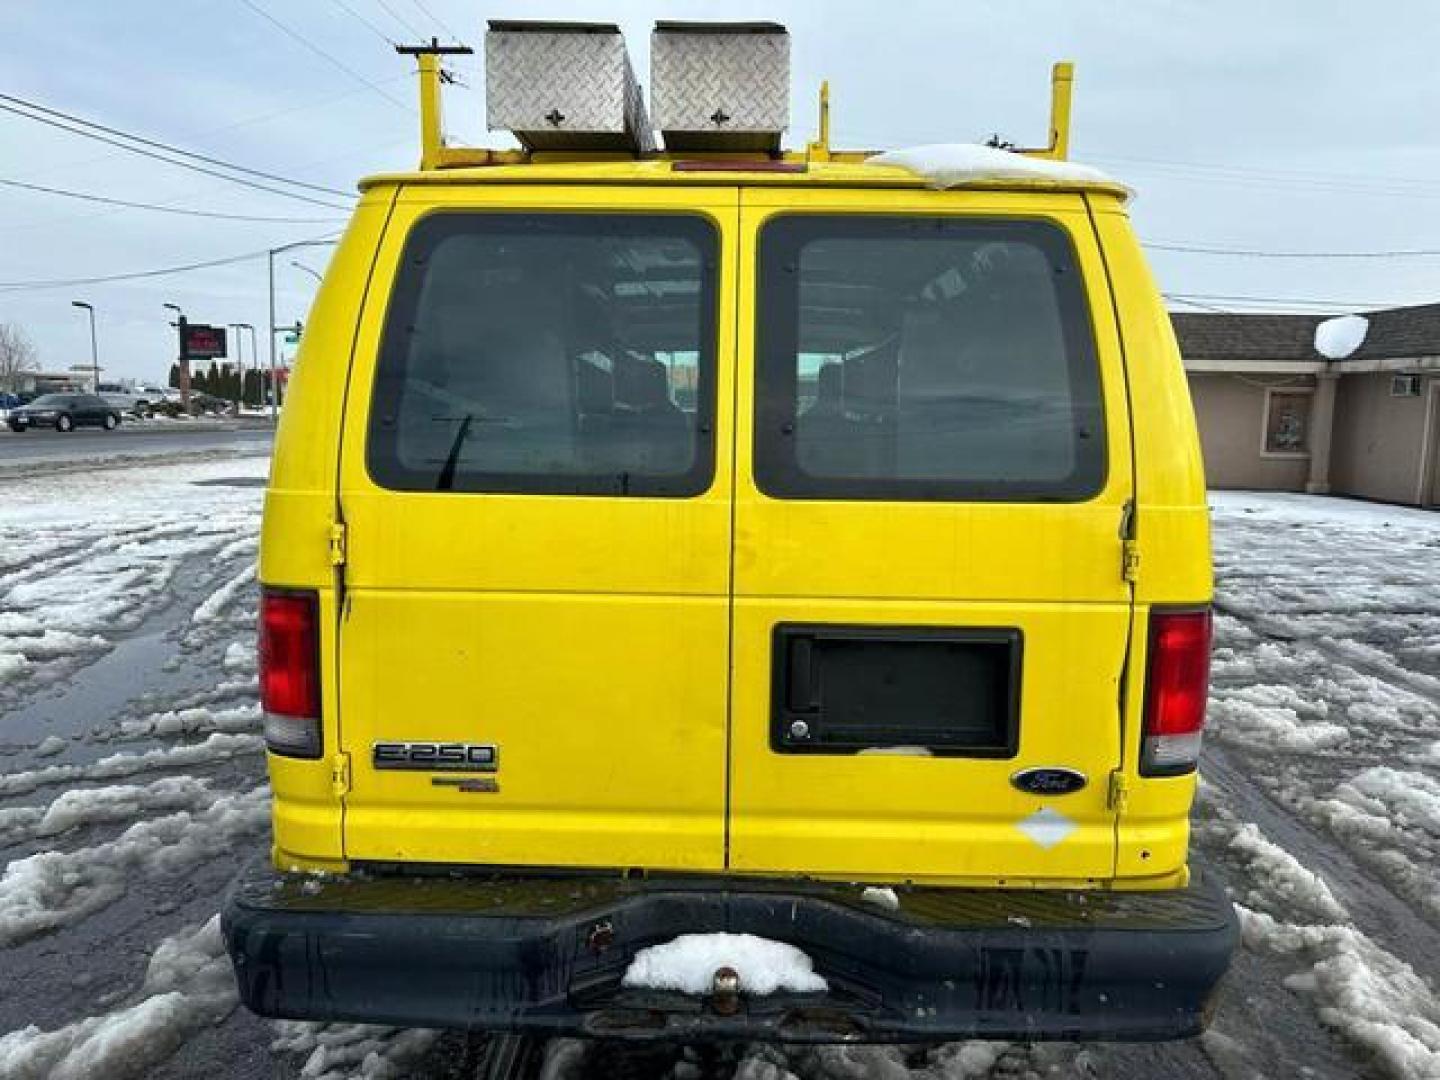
x,y
1288,126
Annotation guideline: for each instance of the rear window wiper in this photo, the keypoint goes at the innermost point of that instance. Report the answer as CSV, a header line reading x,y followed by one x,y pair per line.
x,y
446,480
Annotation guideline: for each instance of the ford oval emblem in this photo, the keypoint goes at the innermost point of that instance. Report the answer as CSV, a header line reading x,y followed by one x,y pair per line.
x,y
1049,781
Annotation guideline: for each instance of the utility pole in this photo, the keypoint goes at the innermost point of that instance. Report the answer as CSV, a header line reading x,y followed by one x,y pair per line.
x,y
94,348
432,77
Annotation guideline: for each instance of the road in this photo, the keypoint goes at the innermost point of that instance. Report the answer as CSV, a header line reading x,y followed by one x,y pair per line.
x,y
132,786
173,440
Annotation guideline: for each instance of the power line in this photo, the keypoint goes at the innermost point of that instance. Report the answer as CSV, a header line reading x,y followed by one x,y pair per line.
x,y
166,147
415,34
1252,253
364,21
1197,304
1307,176
168,160
17,286
73,130
1293,301
419,4
1271,182
301,39
164,209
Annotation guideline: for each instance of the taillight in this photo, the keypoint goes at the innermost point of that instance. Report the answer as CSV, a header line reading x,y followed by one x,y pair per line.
x,y
290,672
1177,682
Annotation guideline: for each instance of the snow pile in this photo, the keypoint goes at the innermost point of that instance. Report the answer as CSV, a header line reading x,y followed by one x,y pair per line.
x,y
1373,998
192,722
188,986
224,596
1270,727
240,656
340,1051
54,889
1337,338
50,746
689,962
1280,879
218,747
948,165
124,802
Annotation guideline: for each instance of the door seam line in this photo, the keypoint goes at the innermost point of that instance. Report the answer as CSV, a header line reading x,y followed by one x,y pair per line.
x,y
1128,655
342,594
739,234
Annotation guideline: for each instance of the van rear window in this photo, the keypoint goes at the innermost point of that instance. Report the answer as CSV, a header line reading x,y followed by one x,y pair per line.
x,y
924,358
549,354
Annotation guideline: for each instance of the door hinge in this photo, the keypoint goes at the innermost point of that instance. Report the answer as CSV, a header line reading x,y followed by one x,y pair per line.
x,y
337,544
1118,796
340,774
1129,548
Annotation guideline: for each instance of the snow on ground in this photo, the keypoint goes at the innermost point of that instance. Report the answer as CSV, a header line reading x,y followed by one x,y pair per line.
x,y
52,889
1325,710
339,1051
1327,671
188,985
86,557
218,746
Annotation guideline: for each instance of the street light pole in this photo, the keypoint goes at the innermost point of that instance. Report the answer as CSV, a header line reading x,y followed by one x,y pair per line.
x,y
94,347
270,262
254,359
274,404
313,273
184,361
239,366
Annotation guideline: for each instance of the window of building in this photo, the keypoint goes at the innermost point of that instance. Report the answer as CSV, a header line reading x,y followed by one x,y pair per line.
x,y
1287,421
549,354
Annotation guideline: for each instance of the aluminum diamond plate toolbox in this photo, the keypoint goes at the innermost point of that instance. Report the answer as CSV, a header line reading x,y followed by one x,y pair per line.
x,y
720,86
563,86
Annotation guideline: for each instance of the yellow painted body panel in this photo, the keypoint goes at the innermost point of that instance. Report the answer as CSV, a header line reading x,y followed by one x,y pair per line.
x,y
586,636
1173,534
618,649
1050,570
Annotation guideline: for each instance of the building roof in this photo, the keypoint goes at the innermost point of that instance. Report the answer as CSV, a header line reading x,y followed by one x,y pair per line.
x,y
1406,331
1394,332
1230,336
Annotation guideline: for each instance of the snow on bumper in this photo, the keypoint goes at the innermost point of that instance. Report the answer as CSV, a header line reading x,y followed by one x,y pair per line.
x,y
549,953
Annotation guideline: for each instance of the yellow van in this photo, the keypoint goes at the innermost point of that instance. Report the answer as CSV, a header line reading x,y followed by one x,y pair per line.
x,y
719,540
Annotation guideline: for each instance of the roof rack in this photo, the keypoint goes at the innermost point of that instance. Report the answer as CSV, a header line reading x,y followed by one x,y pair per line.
x,y
720,91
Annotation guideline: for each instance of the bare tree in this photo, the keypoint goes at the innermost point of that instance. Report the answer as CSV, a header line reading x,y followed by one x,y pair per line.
x,y
17,355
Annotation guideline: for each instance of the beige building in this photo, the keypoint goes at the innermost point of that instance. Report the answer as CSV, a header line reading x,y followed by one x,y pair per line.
x,y
1276,415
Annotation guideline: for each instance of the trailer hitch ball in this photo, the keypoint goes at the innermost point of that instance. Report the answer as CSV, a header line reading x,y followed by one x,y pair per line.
x,y
601,936
725,991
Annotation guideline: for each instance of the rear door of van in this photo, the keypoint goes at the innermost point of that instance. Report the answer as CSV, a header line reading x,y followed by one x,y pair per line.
x,y
535,483
933,468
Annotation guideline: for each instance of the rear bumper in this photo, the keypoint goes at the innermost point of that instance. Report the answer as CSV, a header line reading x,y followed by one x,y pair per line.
x,y
545,954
